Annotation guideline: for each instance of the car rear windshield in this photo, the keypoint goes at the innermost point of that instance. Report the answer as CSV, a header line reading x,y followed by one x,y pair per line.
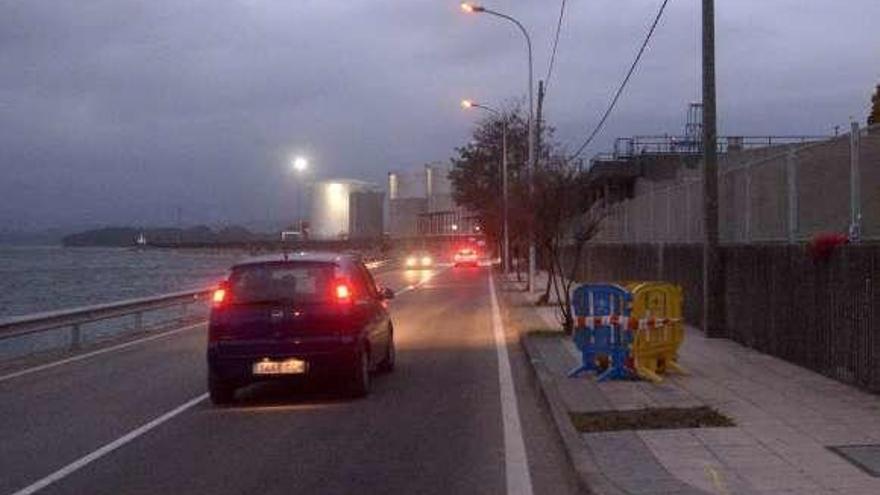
x,y
304,282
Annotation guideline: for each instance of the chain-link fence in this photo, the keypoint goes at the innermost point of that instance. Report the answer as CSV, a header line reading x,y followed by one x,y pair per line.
x,y
779,194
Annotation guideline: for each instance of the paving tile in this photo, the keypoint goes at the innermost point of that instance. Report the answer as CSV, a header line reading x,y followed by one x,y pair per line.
x,y
843,483
752,458
671,438
779,479
725,437
834,434
870,489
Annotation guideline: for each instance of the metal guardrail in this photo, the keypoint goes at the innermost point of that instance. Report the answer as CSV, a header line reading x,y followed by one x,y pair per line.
x,y
74,318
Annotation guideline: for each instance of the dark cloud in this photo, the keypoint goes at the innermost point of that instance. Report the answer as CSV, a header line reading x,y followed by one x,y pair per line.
x,y
117,111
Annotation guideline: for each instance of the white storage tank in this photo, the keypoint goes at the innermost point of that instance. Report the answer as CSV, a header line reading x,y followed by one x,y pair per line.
x,y
329,207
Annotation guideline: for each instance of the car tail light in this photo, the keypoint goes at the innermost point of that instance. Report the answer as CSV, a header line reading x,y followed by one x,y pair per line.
x,y
219,297
342,292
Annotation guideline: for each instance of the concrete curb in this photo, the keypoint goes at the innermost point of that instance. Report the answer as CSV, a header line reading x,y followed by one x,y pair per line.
x,y
590,477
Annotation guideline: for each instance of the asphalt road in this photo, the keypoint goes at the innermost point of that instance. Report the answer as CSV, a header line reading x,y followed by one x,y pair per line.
x,y
136,420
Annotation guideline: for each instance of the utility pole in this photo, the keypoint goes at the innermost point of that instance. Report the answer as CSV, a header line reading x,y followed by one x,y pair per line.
x,y
536,152
505,248
855,185
713,268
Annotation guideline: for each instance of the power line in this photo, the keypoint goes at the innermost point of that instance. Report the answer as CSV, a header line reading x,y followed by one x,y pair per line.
x,y
629,74
555,45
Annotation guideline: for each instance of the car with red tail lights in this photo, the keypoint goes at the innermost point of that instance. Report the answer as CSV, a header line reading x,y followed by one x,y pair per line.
x,y
290,316
466,257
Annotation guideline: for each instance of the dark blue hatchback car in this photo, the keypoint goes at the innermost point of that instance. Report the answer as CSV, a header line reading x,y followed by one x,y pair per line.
x,y
298,315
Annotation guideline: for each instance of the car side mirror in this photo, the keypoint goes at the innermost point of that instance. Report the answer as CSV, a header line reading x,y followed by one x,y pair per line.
x,y
386,293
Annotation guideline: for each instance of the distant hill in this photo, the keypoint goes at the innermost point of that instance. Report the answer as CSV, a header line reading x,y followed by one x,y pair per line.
x,y
46,237
127,236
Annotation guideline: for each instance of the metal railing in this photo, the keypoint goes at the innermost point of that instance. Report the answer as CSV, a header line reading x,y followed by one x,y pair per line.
x,y
74,318
628,148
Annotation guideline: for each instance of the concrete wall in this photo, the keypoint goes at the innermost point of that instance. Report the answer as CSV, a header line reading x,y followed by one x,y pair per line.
x,y
765,195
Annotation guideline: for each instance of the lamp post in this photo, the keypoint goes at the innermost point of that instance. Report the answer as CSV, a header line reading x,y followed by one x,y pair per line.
x,y
299,165
505,247
478,9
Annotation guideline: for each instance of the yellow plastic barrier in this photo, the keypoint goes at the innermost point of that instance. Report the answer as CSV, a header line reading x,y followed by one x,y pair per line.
x,y
655,348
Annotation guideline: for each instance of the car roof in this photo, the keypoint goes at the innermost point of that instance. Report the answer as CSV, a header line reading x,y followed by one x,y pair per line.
x,y
307,256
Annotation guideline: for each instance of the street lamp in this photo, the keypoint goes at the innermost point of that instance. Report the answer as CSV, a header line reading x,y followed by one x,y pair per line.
x,y
471,8
299,165
505,249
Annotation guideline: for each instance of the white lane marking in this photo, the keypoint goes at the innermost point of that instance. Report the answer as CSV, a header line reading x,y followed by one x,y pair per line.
x,y
516,462
418,284
80,357
108,448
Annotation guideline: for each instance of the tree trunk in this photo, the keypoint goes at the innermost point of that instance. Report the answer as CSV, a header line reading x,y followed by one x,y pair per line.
x,y
551,274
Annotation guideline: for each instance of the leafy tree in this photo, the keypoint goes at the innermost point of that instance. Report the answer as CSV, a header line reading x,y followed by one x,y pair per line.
x,y
874,117
476,172
565,221
559,209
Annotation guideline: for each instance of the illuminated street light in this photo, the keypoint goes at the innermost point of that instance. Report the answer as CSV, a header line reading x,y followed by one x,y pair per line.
x,y
300,164
471,8
454,227
505,246
533,158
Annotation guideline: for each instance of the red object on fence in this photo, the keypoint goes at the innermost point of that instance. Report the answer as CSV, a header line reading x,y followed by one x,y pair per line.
x,y
823,244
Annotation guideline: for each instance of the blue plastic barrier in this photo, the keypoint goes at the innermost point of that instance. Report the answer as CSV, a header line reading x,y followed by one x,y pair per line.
x,y
595,341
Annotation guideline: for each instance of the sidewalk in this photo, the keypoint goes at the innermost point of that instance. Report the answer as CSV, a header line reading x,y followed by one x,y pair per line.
x,y
786,417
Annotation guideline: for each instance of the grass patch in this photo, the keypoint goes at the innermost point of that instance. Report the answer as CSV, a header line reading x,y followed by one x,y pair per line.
x,y
665,418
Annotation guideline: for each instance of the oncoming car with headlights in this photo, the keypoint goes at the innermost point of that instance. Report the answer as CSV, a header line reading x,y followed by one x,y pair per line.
x,y
418,261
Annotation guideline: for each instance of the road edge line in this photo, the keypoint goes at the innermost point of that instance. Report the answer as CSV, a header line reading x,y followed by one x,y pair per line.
x,y
516,462
105,350
108,448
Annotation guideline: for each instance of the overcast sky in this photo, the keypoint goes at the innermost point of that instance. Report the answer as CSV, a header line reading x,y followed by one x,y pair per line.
x,y
119,112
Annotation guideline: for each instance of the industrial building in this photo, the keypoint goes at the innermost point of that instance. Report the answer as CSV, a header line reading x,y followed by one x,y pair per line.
x,y
366,214
345,209
420,204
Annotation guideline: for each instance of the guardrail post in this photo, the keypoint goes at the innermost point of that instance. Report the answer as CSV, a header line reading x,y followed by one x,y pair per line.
x,y
75,337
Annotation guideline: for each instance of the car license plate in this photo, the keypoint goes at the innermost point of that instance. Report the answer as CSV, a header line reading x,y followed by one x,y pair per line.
x,y
286,367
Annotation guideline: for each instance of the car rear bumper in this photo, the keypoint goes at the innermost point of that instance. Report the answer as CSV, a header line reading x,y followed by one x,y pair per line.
x,y
233,361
